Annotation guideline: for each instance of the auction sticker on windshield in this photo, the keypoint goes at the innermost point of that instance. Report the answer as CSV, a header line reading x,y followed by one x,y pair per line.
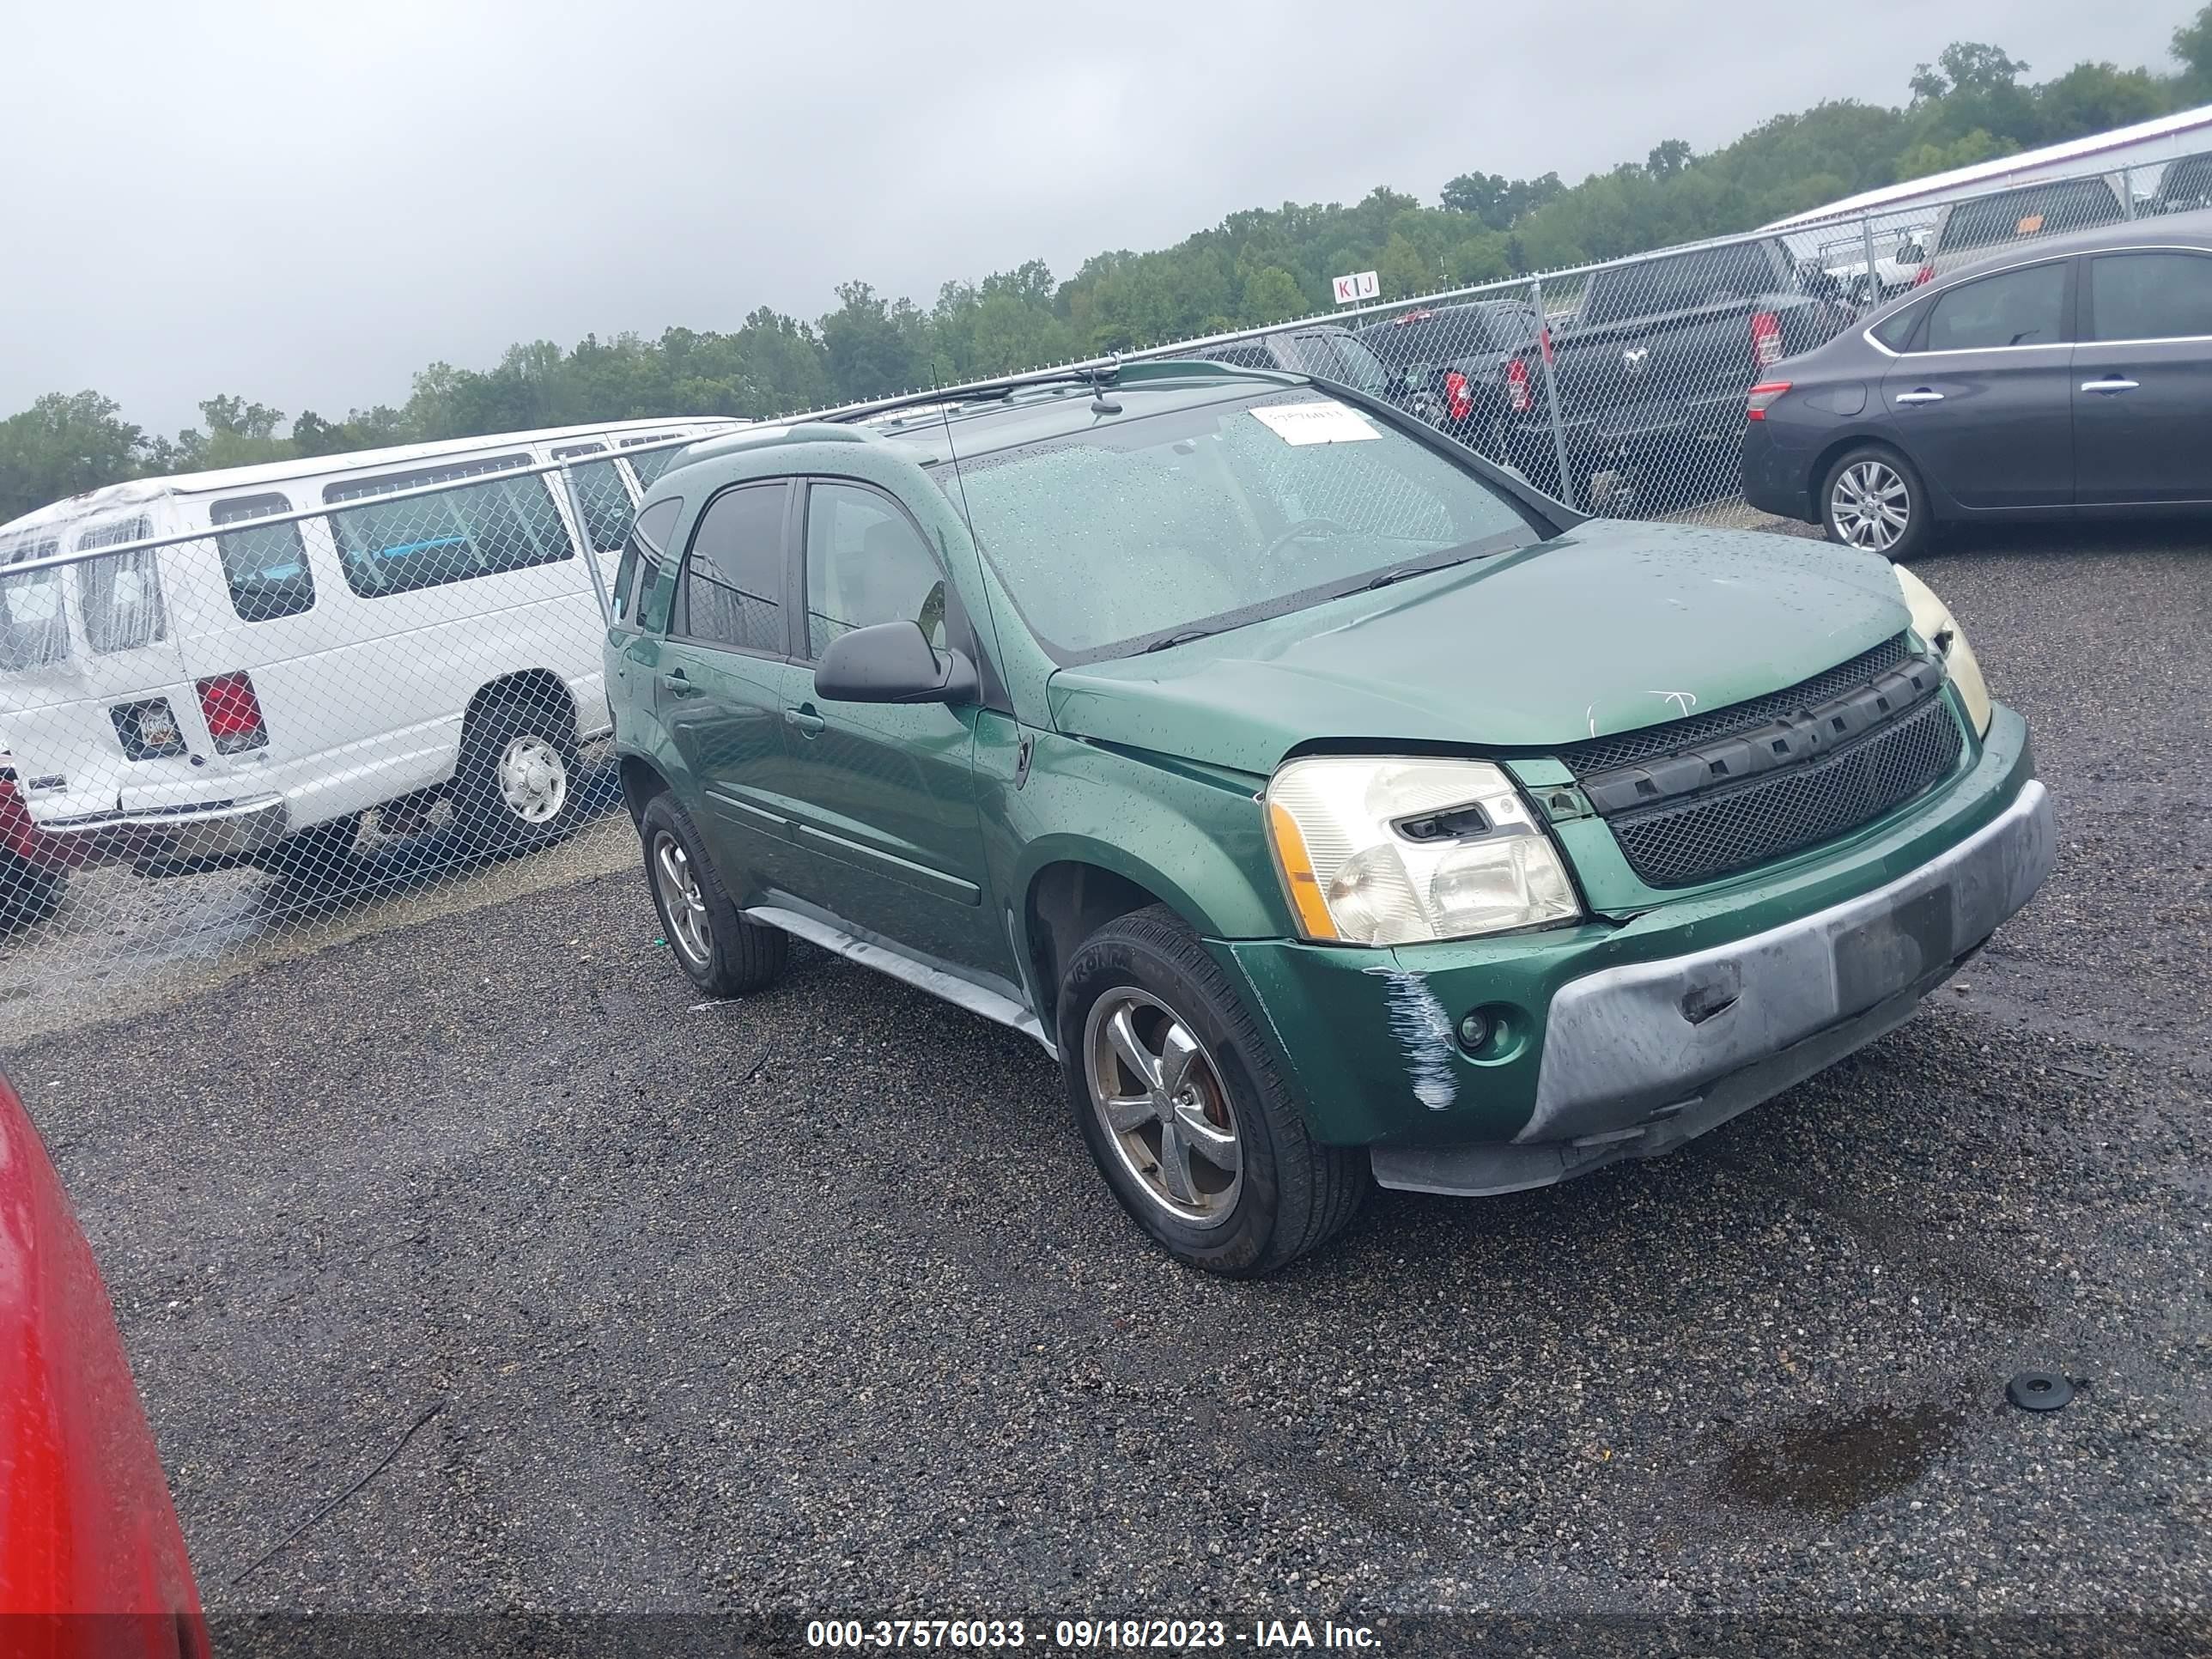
x,y
1324,423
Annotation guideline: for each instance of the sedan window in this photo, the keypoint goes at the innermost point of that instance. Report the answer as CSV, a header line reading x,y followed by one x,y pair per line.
x,y
2013,308
2150,296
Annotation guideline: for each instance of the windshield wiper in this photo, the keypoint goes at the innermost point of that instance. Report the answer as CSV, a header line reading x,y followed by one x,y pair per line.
x,y
1489,547
1183,638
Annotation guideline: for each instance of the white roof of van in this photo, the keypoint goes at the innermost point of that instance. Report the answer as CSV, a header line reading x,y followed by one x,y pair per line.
x,y
137,491
2147,142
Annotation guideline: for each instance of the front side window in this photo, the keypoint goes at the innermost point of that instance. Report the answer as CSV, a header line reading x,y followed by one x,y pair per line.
x,y
2013,308
33,625
731,590
266,569
502,525
121,595
1137,530
2150,296
643,567
866,563
606,501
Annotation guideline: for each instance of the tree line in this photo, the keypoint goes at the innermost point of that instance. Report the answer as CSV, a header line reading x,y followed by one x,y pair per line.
x,y
1257,267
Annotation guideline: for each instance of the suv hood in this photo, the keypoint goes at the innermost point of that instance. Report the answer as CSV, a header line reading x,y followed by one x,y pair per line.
x,y
1610,628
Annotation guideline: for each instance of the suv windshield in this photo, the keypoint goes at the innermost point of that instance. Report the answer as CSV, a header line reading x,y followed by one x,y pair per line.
x,y
1196,520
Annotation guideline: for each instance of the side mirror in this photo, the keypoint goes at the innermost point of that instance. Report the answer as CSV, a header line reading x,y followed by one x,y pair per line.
x,y
892,662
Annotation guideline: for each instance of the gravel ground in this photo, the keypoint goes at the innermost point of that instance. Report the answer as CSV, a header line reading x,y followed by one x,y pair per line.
x,y
813,1302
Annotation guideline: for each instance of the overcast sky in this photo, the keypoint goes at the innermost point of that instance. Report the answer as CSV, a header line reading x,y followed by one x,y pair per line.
x,y
305,204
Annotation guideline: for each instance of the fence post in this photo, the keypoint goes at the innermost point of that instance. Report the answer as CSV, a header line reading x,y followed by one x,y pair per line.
x,y
1872,297
2127,190
1552,393
584,541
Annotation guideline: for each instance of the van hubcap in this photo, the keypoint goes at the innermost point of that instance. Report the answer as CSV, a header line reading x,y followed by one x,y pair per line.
x,y
1159,1097
681,900
1872,506
533,780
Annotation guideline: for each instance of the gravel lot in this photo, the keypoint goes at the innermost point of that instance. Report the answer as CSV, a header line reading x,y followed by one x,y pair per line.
x,y
814,1302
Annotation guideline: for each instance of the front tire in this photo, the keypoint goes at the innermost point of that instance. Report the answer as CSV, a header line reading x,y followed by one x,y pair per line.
x,y
1200,1139
724,955
1873,499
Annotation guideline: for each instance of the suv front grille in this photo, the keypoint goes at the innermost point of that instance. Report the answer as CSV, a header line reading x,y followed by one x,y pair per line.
x,y
1711,835
1603,754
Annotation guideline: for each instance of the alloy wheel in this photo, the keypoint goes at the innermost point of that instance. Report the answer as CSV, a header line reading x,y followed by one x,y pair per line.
x,y
1160,1098
1873,508
681,900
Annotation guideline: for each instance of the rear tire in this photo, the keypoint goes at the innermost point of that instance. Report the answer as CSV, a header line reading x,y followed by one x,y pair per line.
x,y
29,893
724,955
1863,496
516,784
1166,1124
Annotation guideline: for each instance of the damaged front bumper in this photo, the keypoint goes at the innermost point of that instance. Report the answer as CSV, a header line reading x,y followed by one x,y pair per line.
x,y
1611,1042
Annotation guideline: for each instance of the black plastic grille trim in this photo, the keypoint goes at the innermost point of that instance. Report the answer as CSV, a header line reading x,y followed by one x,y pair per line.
x,y
1774,815
1603,754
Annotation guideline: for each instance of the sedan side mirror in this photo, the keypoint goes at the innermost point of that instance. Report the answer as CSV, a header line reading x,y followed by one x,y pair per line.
x,y
892,662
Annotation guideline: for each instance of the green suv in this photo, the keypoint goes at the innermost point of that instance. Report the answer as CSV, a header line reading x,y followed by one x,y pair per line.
x,y
1331,804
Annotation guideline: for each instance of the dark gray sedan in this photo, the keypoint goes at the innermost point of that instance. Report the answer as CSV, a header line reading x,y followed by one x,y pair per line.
x,y
2071,380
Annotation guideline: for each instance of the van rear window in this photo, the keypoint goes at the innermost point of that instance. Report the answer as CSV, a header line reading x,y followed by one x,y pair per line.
x,y
33,626
426,541
121,595
267,567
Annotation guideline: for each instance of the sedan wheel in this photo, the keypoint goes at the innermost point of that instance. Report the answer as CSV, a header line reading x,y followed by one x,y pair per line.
x,y
1871,505
1160,1099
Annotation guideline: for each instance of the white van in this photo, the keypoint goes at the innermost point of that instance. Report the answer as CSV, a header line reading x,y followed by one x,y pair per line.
x,y
249,684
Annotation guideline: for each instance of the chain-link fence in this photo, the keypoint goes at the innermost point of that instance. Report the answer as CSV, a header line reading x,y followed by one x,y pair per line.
x,y
244,712
262,714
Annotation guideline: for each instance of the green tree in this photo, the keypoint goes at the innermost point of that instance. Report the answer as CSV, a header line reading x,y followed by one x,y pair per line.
x,y
62,446
2192,46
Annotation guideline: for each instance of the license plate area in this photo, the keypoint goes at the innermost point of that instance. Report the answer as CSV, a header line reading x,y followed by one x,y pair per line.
x,y
1884,955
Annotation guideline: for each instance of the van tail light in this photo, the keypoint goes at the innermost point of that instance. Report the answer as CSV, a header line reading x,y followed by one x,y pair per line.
x,y
1763,396
1924,274
233,714
1518,392
1459,398
1765,337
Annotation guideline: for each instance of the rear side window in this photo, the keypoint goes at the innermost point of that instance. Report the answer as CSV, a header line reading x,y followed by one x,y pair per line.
x,y
649,467
1682,282
2071,204
733,582
426,541
121,594
642,568
34,624
2013,308
1894,329
266,569
606,498
2149,297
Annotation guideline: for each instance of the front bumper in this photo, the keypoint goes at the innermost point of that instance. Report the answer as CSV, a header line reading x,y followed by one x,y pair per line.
x,y
1639,1059
196,837
1596,1056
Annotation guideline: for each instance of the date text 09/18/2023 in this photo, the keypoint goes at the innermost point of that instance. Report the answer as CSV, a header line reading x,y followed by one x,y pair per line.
x,y
1091,1635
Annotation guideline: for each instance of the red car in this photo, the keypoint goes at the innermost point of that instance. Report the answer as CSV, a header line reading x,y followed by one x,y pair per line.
x,y
86,1525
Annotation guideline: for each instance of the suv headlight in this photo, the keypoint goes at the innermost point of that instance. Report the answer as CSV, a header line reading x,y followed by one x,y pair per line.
x,y
1380,850
1933,621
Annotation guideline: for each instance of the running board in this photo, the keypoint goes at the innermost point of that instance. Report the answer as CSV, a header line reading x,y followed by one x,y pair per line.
x,y
950,987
